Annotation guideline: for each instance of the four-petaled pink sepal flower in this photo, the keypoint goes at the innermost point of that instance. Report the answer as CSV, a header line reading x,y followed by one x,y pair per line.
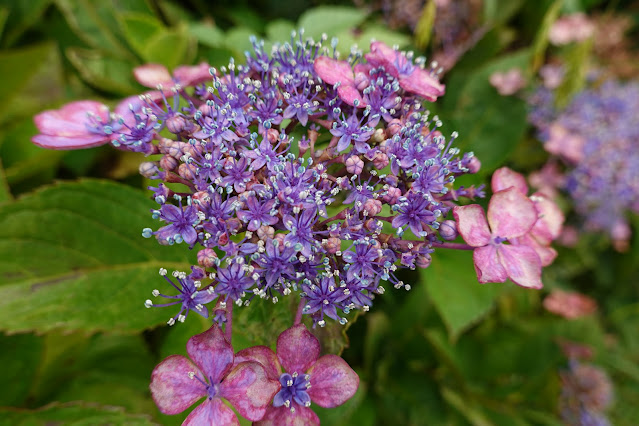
x,y
327,381
333,71
411,78
176,383
80,124
510,215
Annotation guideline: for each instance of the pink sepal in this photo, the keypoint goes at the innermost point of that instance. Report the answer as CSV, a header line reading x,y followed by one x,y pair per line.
x,y
510,213
249,390
297,349
472,224
171,387
422,83
333,381
522,264
333,71
211,352
487,265
504,178
152,75
265,356
64,143
212,412
550,219
188,75
282,416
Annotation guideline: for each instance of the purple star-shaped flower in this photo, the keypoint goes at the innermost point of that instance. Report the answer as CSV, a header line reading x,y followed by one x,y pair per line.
x,y
328,381
257,213
214,373
181,223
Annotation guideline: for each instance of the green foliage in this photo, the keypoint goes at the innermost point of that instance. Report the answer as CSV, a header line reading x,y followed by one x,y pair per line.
x,y
330,20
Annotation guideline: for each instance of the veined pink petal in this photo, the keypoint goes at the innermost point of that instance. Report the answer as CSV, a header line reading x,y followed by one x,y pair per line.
x,y
282,416
212,412
188,75
297,349
61,143
265,356
472,225
211,353
350,94
550,219
422,83
150,75
546,253
69,121
522,264
332,71
333,381
510,213
171,387
385,56
249,390
504,178
487,265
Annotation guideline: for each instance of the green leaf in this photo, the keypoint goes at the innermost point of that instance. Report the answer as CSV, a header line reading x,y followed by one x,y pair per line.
x,y
541,39
20,15
497,12
139,29
73,413
106,73
73,259
576,65
453,288
238,40
424,28
279,30
330,20
207,34
170,48
490,125
5,192
262,321
19,366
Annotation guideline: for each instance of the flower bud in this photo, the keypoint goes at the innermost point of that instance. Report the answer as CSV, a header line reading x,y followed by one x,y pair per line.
x,y
372,207
176,124
393,127
380,161
272,135
279,238
392,195
473,165
148,169
168,163
187,171
423,260
332,245
354,165
265,232
448,230
206,258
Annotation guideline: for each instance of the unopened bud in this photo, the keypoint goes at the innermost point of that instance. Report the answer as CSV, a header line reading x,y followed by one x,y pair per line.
x,y
372,207
392,195
206,258
176,124
423,260
265,232
187,171
473,165
354,165
332,245
393,127
272,135
168,163
148,169
448,230
380,161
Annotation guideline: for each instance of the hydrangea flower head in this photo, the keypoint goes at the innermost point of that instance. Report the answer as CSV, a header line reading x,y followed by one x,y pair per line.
x,y
304,376
177,383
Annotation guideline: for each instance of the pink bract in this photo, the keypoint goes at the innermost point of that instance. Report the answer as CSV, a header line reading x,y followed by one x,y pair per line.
x,y
69,126
508,82
152,75
333,71
177,382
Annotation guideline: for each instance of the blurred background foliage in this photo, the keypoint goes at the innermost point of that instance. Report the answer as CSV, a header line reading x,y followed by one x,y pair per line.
x,y
77,345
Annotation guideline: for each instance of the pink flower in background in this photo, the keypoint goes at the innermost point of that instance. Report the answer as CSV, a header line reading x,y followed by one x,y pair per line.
x,y
332,71
562,142
573,28
508,82
411,78
176,383
569,304
510,215
152,75
328,381
80,124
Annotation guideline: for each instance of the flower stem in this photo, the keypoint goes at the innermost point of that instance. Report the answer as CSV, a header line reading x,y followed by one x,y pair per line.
x,y
455,246
228,330
298,314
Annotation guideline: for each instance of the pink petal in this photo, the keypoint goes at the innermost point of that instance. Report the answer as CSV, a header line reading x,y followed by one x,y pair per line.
x,y
522,265
265,356
510,213
150,75
212,412
382,55
211,353
333,381
472,225
171,387
60,142
192,75
504,178
546,254
297,349
570,305
249,390
487,265
422,83
282,416
69,120
333,71
550,219
350,94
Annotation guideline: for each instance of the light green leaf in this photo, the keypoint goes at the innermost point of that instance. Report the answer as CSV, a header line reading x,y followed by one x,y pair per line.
x,y
424,27
238,40
170,48
576,65
453,288
72,258
541,39
330,20
107,73
73,414
5,192
207,34
279,30
139,29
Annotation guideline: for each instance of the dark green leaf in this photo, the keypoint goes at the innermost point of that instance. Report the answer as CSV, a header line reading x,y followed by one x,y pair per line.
x,y
452,286
19,362
139,29
106,73
72,413
21,16
170,48
73,259
5,192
